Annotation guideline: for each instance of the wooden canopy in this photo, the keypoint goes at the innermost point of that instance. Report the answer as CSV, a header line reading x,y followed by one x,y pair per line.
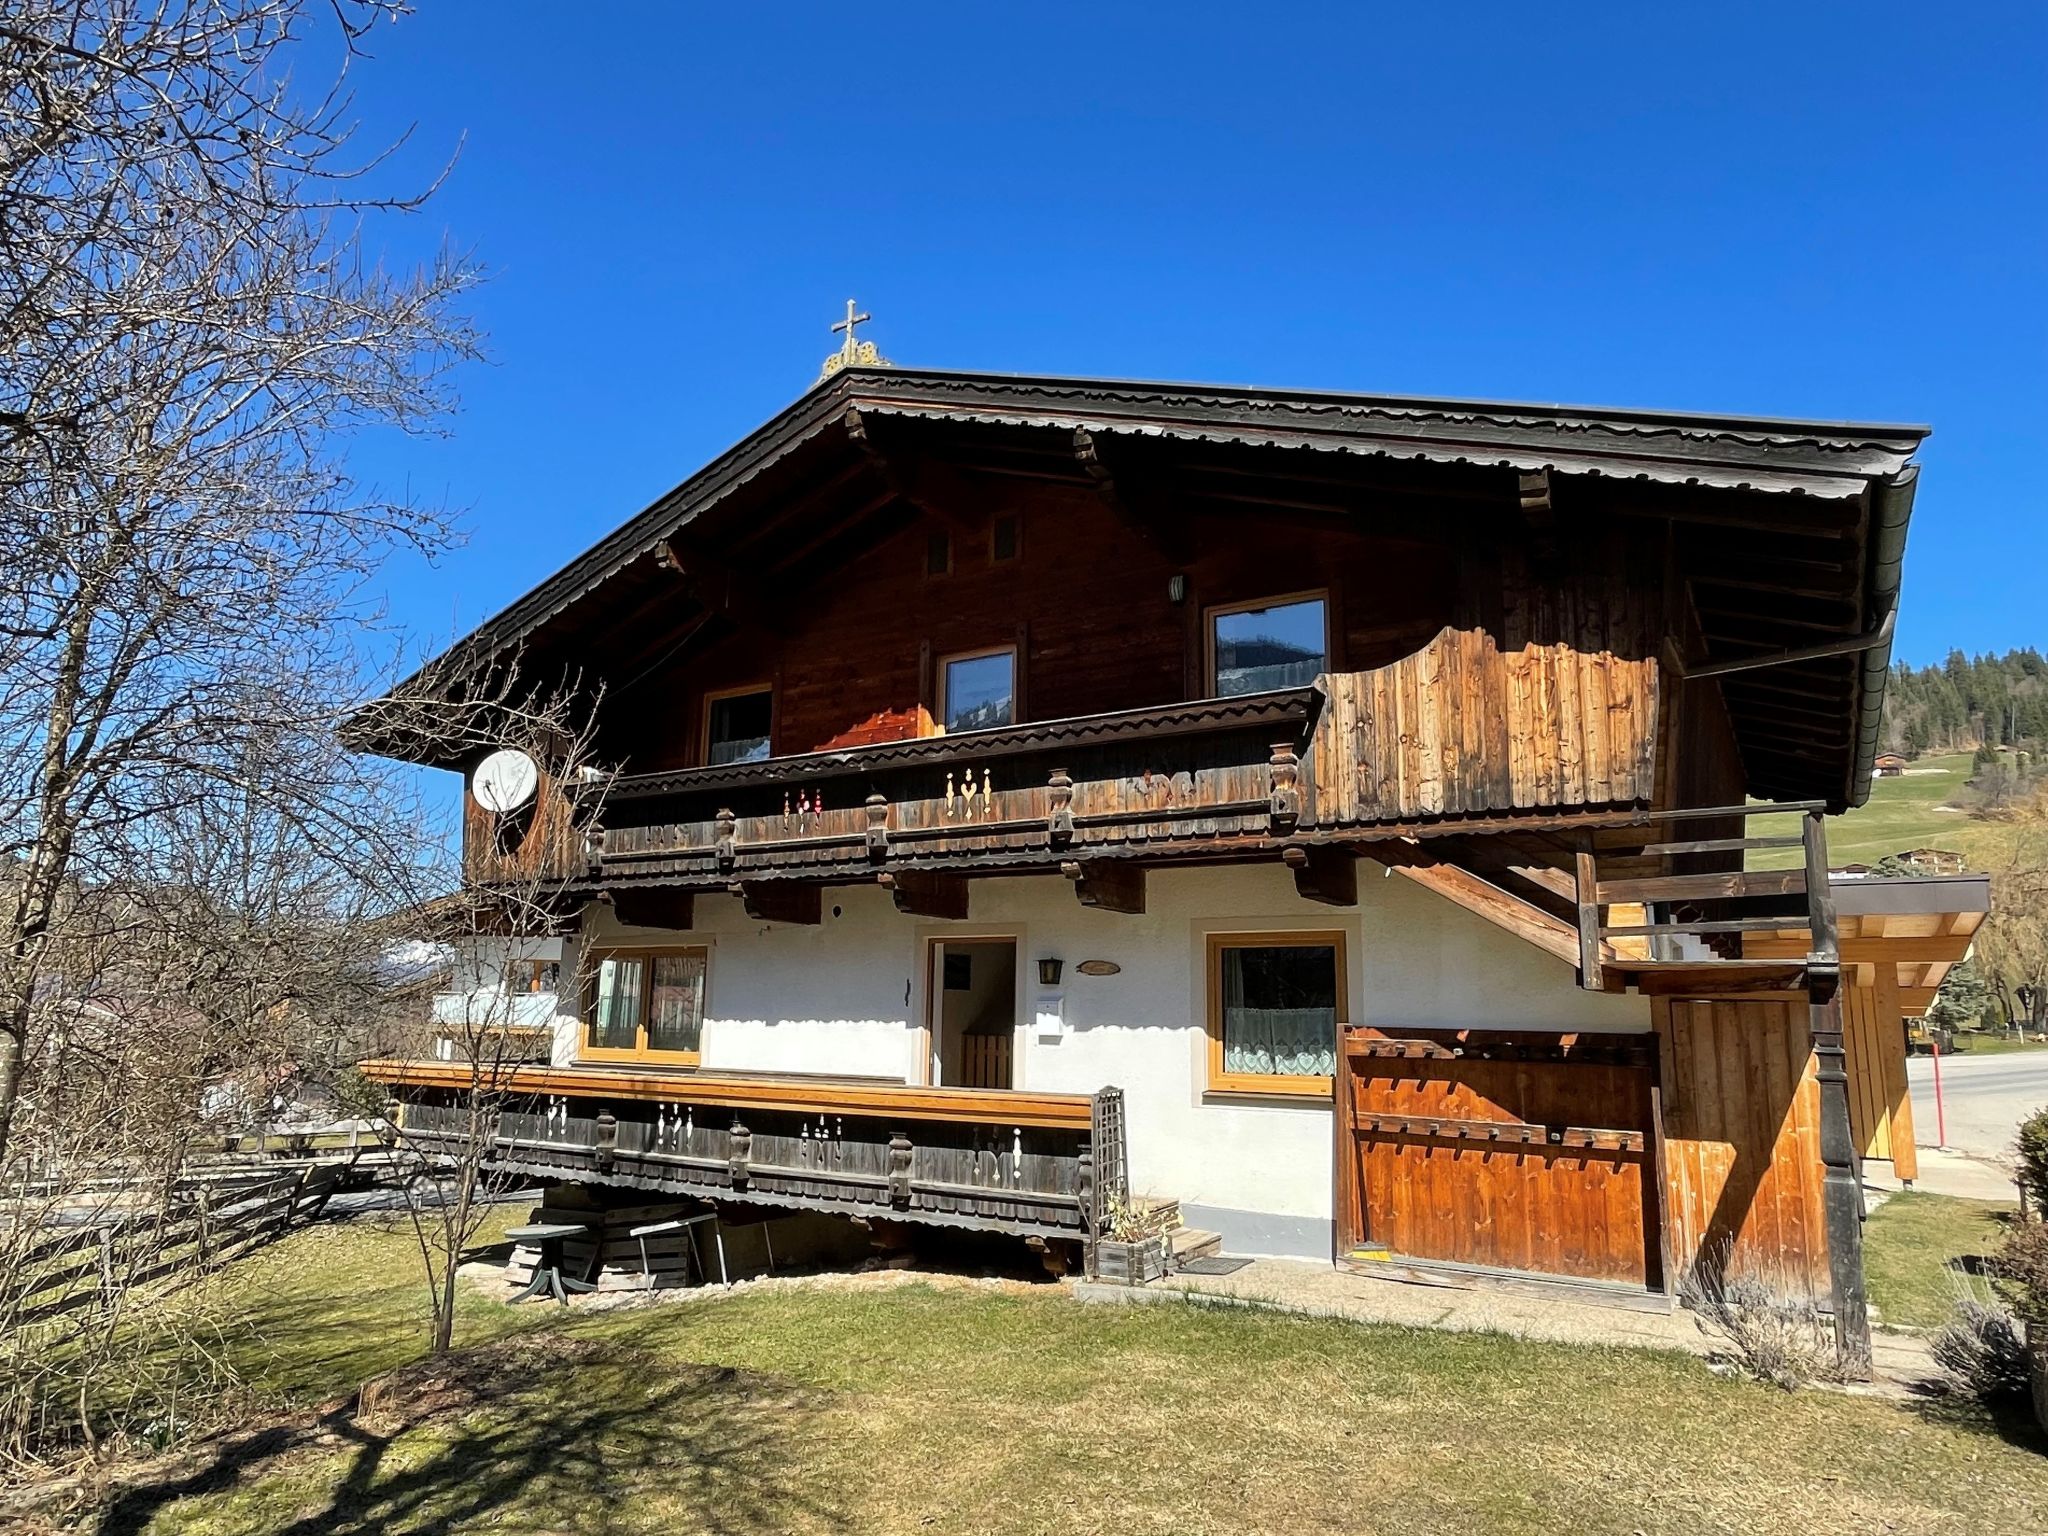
x,y
1913,930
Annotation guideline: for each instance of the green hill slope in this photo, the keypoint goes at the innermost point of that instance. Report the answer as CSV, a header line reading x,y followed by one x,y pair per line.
x,y
1911,811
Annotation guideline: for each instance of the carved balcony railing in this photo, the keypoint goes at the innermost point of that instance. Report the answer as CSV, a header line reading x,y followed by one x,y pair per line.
x,y
1014,1162
1207,772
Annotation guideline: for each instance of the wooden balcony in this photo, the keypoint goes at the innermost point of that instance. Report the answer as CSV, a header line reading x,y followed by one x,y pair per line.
x,y
1030,1164
1463,732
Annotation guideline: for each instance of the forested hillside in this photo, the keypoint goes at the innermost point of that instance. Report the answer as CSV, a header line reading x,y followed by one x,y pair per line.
x,y
1967,702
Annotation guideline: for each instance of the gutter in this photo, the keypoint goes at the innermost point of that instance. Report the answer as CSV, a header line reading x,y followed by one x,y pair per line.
x,y
1891,509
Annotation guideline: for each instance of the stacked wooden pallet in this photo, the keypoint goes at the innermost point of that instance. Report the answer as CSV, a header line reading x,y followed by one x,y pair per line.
x,y
623,1262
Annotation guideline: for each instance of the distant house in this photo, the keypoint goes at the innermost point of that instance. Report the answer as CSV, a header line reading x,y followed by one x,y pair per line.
x,y
1889,765
1932,861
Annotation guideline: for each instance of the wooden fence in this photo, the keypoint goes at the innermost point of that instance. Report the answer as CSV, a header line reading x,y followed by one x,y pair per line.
x,y
202,1225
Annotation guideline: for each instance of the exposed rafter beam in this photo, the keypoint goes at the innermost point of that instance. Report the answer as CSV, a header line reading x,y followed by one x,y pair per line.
x,y
1128,497
781,901
1537,512
926,484
1325,873
921,893
1108,885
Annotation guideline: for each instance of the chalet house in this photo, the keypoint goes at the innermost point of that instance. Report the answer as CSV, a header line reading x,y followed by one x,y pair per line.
x,y
1327,810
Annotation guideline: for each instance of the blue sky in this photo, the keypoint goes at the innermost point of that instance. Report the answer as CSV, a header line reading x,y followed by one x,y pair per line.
x,y
1811,209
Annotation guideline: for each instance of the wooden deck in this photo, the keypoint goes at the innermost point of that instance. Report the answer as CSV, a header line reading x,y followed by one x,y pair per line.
x,y
1030,1164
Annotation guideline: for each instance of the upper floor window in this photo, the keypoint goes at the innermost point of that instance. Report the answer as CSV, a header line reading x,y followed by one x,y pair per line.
x,y
1280,643
736,725
978,691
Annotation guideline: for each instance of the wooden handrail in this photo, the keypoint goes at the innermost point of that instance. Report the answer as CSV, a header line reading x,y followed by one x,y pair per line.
x,y
960,1106
1810,880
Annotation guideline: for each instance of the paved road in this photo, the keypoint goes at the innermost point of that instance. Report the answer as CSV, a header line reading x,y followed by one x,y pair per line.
x,y
1985,1097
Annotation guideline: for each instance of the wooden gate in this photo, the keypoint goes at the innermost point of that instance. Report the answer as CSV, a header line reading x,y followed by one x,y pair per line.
x,y
1503,1150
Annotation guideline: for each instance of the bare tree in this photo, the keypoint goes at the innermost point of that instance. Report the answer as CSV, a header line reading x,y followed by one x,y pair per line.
x,y
456,710
190,328
2011,949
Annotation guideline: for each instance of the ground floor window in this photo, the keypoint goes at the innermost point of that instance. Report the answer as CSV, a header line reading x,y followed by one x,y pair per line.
x,y
646,1005
1275,1000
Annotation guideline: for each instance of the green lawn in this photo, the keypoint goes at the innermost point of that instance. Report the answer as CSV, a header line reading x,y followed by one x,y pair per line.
x,y
1910,1247
1901,813
1018,1410
1984,1042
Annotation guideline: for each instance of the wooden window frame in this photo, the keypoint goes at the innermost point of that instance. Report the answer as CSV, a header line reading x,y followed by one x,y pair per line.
x,y
718,695
1223,610
1270,1085
952,553
1011,650
639,1050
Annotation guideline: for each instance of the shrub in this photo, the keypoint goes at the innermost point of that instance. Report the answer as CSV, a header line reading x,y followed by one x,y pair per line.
x,y
2020,1271
2033,1146
1980,1351
1772,1336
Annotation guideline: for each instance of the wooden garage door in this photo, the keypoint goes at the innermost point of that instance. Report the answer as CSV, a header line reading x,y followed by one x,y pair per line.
x,y
1505,1150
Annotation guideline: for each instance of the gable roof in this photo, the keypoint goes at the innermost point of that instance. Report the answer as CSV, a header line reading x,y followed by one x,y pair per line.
x,y
1673,453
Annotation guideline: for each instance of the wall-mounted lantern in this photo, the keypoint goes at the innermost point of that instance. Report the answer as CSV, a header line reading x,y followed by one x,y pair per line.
x,y
1177,588
1049,971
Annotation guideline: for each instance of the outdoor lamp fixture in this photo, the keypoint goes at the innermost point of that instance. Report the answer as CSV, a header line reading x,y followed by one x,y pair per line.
x,y
1049,971
1177,588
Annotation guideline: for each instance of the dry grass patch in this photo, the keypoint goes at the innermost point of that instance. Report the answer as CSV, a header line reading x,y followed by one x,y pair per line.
x,y
981,1409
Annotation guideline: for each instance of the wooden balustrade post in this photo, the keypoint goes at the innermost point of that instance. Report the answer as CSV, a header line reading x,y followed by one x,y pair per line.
x,y
742,1148
878,827
899,1168
604,1151
1060,816
1285,798
726,844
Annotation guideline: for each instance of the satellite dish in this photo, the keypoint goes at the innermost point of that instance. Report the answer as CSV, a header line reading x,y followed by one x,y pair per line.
x,y
505,781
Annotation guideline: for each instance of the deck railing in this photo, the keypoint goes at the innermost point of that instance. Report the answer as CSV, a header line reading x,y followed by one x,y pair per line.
x,y
943,1157
1679,922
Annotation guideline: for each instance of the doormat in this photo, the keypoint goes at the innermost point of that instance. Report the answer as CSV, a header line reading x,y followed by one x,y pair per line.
x,y
1211,1266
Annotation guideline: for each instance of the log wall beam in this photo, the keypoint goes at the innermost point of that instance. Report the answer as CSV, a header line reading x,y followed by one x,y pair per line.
x,y
921,893
780,901
1324,873
1107,886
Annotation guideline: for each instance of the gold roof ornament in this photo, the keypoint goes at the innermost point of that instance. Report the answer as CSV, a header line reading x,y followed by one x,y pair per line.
x,y
853,353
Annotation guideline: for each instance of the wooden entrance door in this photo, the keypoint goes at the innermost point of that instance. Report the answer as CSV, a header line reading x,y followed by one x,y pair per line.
x,y
1512,1151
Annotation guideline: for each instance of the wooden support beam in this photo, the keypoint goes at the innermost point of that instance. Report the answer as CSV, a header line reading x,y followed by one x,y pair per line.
x,y
1841,1190
781,901
653,907
934,489
1537,512
1325,873
1484,899
722,587
1587,882
1109,886
1127,498
921,893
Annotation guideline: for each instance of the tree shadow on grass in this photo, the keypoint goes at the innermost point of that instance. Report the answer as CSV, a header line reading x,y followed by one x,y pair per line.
x,y
540,1432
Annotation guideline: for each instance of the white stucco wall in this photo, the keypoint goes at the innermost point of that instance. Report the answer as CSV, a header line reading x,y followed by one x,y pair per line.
x,y
848,996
